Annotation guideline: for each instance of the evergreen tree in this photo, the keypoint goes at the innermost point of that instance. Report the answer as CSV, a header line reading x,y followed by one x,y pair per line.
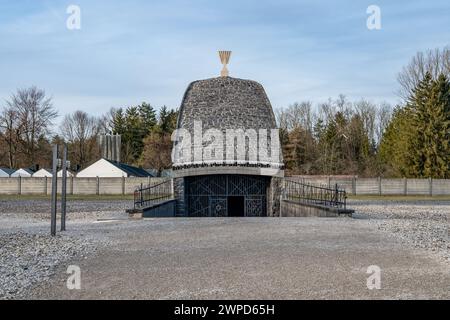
x,y
394,147
429,105
135,134
331,145
167,120
417,142
118,122
441,132
133,124
148,116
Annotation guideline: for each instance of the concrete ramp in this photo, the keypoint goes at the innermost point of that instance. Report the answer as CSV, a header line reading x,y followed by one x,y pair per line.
x,y
297,209
163,209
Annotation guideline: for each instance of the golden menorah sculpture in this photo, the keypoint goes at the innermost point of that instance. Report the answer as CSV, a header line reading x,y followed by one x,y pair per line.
x,y
225,59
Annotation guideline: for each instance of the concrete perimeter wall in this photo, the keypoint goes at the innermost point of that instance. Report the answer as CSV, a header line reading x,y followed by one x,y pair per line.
x,y
382,186
110,186
77,186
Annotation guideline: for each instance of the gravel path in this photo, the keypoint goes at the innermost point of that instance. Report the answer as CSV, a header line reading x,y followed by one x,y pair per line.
x,y
27,259
312,258
77,209
420,224
250,258
29,255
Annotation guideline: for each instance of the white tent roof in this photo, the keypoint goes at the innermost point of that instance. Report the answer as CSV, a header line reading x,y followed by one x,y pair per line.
x,y
22,173
5,172
42,173
69,174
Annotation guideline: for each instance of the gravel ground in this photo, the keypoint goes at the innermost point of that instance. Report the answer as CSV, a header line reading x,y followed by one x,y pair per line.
x,y
289,258
250,258
29,255
421,224
27,259
77,209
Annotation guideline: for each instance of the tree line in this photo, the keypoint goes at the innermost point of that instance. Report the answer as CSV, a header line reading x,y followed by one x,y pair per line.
x,y
342,137
27,133
335,137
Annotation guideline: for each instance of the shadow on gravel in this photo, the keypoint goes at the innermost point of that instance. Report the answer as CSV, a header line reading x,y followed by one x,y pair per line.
x,y
361,216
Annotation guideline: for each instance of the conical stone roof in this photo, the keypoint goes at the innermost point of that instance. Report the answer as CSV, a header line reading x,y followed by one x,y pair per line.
x,y
226,103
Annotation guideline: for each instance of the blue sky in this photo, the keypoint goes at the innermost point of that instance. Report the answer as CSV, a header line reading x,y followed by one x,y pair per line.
x,y
132,51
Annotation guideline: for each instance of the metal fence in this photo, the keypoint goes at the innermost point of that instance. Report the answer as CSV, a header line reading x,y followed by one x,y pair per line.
x,y
314,194
145,196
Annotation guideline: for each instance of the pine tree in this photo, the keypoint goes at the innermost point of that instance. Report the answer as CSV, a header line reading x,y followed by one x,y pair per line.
x,y
148,116
429,147
394,151
167,120
118,122
134,135
438,130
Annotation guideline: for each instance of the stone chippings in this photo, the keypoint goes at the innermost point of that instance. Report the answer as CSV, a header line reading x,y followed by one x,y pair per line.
x,y
226,103
40,208
251,258
29,255
421,224
30,258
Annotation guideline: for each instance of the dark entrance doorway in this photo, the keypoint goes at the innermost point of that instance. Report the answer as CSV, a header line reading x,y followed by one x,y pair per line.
x,y
236,206
226,195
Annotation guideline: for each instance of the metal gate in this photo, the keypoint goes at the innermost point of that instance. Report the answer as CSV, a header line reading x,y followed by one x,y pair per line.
x,y
207,196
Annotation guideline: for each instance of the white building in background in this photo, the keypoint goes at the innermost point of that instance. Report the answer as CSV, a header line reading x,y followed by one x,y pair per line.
x,y
41,173
69,174
47,173
104,168
22,173
6,172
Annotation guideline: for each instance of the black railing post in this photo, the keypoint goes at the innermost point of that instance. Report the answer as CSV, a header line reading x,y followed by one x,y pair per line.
x,y
336,191
146,195
308,193
345,200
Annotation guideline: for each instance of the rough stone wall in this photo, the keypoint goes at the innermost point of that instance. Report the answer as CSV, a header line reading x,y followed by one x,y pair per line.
x,y
179,194
227,103
275,191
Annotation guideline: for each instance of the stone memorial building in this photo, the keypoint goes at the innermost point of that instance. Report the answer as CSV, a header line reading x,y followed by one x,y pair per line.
x,y
227,159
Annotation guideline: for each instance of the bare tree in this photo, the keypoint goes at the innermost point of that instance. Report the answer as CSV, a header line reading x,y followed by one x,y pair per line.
x,y
9,124
35,114
106,122
367,112
282,121
326,111
3,151
384,115
435,61
80,130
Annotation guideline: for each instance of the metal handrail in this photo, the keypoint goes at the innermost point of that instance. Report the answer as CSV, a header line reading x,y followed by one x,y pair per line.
x,y
145,196
313,194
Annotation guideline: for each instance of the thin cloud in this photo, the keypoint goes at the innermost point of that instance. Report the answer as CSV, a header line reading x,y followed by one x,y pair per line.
x,y
128,52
